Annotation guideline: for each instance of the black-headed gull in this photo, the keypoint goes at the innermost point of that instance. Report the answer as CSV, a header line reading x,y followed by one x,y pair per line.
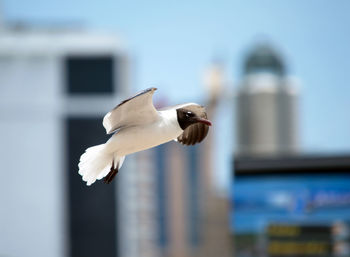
x,y
137,125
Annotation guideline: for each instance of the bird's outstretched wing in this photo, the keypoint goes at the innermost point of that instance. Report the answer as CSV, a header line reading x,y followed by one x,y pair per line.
x,y
194,133
136,110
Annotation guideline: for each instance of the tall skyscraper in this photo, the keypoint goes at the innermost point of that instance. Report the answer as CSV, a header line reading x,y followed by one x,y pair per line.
x,y
162,215
266,106
215,234
56,83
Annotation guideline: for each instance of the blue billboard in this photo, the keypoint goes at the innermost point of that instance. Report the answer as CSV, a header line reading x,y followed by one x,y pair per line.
x,y
313,198
291,206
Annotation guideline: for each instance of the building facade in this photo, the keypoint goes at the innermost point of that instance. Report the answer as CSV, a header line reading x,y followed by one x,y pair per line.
x,y
56,83
267,100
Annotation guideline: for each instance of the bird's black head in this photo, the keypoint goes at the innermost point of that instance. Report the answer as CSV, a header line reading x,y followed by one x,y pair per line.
x,y
187,117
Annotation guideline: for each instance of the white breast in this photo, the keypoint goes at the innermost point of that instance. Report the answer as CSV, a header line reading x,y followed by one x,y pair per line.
x,y
138,138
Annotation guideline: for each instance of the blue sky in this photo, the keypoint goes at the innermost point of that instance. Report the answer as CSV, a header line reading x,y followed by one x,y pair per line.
x,y
173,42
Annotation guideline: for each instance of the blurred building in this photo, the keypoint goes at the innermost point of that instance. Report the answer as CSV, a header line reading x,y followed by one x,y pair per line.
x,y
283,204
173,207
267,118
170,210
215,226
56,83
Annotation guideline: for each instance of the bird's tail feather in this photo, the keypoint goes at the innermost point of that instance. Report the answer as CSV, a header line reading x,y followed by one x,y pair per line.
x,y
97,163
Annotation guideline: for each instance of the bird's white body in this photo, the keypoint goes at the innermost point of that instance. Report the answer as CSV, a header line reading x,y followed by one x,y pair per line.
x,y
137,125
95,163
139,138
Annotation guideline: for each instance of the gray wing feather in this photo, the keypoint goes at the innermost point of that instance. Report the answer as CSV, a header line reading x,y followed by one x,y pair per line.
x,y
136,110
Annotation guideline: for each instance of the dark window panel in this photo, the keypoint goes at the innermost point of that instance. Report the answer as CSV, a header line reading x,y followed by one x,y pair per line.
x,y
284,165
90,74
92,210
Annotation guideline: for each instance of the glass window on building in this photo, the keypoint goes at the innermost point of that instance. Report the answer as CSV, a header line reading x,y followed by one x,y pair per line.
x,y
90,74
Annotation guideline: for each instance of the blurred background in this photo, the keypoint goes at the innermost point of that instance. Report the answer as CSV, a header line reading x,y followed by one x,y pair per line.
x,y
271,179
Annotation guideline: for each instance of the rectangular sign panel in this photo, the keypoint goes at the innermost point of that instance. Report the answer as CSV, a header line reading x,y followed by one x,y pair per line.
x,y
292,214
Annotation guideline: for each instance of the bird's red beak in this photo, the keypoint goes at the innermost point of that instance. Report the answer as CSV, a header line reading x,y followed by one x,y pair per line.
x,y
204,121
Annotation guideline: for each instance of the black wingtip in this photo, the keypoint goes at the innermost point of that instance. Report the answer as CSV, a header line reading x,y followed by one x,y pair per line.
x,y
151,89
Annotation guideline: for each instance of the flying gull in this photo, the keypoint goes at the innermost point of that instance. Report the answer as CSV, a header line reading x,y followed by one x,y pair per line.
x,y
137,125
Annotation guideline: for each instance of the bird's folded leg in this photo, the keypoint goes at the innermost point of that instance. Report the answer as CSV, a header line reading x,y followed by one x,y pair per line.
x,y
110,176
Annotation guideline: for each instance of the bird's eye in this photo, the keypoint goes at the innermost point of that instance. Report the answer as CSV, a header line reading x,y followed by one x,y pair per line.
x,y
189,114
